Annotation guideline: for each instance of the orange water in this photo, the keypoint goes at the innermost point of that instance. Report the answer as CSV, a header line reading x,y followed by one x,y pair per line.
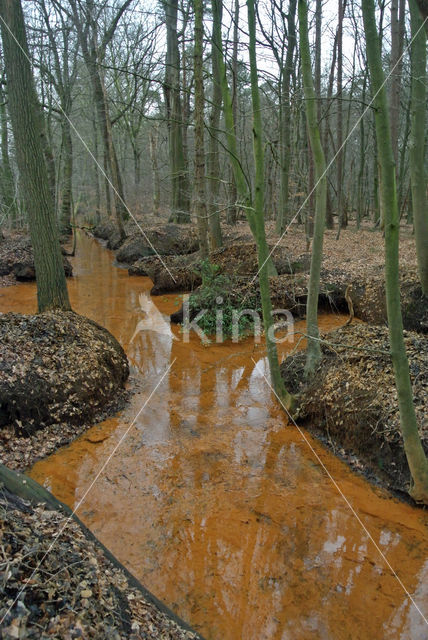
x,y
218,505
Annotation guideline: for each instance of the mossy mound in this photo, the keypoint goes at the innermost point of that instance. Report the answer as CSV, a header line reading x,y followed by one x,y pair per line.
x,y
351,401
57,367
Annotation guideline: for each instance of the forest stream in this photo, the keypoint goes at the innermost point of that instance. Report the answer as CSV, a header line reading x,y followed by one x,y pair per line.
x,y
218,505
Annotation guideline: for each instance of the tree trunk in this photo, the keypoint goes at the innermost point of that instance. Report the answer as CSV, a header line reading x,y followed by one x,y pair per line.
x,y
96,172
329,211
416,458
179,179
27,124
233,210
341,215
417,143
313,354
8,188
216,239
397,37
67,179
154,134
285,121
199,203
262,247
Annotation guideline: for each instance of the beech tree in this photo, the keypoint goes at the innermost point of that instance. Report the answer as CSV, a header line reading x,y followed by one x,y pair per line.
x,y
93,46
417,142
180,200
259,221
27,124
200,208
313,350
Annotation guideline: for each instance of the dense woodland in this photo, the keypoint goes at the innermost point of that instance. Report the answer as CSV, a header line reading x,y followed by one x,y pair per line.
x,y
120,99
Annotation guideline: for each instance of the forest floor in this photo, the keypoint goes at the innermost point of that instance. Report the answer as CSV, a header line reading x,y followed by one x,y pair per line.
x,y
68,588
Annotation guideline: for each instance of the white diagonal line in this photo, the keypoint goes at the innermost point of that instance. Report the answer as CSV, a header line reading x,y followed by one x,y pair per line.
x,y
58,105
349,505
83,498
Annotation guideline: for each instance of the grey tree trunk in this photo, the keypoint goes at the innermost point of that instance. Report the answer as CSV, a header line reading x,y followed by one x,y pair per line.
x,y
7,182
154,135
285,121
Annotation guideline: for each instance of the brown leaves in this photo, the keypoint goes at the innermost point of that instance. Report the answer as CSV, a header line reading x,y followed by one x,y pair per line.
x,y
70,589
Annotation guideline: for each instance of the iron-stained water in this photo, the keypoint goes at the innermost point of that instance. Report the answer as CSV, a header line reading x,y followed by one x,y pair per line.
x,y
215,502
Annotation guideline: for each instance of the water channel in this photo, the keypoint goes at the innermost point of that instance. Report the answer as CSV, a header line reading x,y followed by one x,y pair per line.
x,y
215,502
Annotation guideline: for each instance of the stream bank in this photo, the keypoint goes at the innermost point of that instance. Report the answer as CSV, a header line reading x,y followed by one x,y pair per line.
x,y
351,401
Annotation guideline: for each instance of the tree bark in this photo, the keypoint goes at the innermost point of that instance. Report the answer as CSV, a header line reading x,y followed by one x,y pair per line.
x,y
416,458
313,354
154,134
27,124
262,247
285,120
213,163
8,188
199,204
179,180
341,214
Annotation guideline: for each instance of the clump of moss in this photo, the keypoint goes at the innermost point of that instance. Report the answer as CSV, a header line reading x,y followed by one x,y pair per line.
x,y
223,296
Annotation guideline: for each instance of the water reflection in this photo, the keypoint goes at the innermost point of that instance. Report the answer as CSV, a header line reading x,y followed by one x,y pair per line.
x,y
215,503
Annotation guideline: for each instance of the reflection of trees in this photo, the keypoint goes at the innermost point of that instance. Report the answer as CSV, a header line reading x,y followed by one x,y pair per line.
x,y
219,507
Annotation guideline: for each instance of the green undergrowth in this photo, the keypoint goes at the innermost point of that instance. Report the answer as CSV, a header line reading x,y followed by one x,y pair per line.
x,y
223,296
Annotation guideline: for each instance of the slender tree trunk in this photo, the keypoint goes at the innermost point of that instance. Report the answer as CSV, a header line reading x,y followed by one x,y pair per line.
x,y
216,239
329,211
8,189
96,172
262,247
67,179
285,121
199,203
341,214
397,37
360,189
154,134
27,124
416,458
233,210
313,355
179,179
417,143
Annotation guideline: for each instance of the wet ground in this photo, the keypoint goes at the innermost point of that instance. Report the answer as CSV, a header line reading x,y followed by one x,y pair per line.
x,y
222,509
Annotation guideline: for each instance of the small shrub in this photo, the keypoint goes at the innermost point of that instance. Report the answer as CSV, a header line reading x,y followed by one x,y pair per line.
x,y
223,292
